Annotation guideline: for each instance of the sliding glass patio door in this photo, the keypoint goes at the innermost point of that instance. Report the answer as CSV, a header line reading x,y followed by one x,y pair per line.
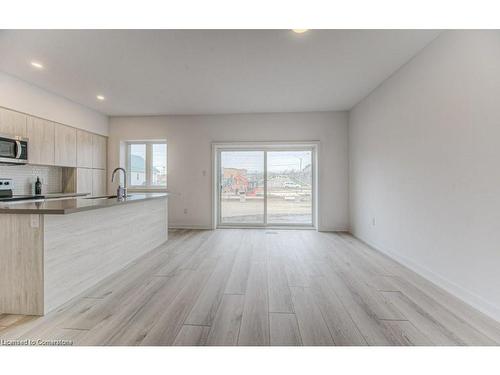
x,y
289,187
265,187
241,181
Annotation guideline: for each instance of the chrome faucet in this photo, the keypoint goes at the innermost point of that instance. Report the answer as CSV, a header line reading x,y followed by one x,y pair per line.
x,y
121,192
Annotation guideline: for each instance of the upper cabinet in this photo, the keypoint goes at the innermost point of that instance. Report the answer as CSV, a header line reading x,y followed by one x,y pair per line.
x,y
50,143
65,146
100,151
84,149
12,123
41,141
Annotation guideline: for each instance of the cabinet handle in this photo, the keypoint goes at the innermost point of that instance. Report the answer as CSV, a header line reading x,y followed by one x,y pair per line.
x,y
19,149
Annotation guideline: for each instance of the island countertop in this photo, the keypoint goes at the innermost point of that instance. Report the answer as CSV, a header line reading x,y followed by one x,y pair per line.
x,y
48,258
72,205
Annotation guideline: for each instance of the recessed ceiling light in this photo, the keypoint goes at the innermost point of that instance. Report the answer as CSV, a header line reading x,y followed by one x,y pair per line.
x,y
300,31
37,65
100,97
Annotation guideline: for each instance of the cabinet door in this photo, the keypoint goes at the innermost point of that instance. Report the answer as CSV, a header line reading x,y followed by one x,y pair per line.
x,y
12,123
99,182
41,141
100,152
84,149
84,178
65,146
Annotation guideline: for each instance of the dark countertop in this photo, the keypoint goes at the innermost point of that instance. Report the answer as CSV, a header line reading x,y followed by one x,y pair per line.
x,y
72,205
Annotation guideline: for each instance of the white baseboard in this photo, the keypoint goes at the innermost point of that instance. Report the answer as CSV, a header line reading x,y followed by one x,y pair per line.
x,y
204,227
333,229
466,296
198,226
189,226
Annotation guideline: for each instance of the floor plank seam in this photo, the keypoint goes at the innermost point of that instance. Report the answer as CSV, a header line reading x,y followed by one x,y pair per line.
x,y
393,320
327,326
197,325
282,312
447,310
207,277
350,315
92,297
76,329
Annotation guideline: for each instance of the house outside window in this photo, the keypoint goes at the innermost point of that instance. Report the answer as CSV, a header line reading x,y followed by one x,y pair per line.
x,y
147,165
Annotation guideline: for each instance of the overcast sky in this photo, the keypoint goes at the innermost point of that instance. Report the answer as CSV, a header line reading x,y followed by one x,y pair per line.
x,y
277,161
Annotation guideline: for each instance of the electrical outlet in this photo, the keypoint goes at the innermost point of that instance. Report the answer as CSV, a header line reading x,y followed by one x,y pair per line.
x,y
373,221
204,173
185,211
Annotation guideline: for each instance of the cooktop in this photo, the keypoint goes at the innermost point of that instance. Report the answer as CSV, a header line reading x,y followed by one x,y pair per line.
x,y
14,198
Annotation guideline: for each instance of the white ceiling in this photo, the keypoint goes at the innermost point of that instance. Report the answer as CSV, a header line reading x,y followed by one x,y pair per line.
x,y
143,72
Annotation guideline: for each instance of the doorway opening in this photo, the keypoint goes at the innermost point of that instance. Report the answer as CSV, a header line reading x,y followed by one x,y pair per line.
x,y
265,185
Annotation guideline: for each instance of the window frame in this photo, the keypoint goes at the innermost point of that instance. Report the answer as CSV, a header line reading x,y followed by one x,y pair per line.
x,y
148,165
218,147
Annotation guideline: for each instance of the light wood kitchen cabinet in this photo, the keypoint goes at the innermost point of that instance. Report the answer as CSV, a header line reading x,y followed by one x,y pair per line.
x,y
99,186
84,149
100,151
65,146
41,141
12,123
84,180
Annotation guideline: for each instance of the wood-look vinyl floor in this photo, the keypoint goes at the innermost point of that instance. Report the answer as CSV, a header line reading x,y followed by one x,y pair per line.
x,y
261,287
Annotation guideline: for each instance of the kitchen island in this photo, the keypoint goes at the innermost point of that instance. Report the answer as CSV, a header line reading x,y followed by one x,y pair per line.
x,y
53,250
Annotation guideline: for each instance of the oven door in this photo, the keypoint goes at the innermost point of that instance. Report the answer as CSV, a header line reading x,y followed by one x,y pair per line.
x,y
13,150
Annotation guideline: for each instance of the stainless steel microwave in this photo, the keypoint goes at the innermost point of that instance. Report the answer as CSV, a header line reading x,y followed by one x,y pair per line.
x,y
13,150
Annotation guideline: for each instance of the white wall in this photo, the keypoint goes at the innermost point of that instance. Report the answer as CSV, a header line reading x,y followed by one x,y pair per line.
x,y
189,154
24,97
425,164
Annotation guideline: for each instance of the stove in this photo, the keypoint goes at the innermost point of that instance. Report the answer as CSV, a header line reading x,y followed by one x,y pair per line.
x,y
6,192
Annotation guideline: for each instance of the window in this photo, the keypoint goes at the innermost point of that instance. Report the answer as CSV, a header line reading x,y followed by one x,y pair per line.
x,y
137,164
147,165
265,185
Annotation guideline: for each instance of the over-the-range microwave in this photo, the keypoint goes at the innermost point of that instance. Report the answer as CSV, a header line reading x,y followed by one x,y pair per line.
x,y
13,149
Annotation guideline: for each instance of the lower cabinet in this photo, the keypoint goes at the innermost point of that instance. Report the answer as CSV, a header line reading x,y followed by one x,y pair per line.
x,y
99,186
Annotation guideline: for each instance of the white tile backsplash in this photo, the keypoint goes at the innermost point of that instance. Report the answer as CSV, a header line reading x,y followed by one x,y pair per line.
x,y
24,177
